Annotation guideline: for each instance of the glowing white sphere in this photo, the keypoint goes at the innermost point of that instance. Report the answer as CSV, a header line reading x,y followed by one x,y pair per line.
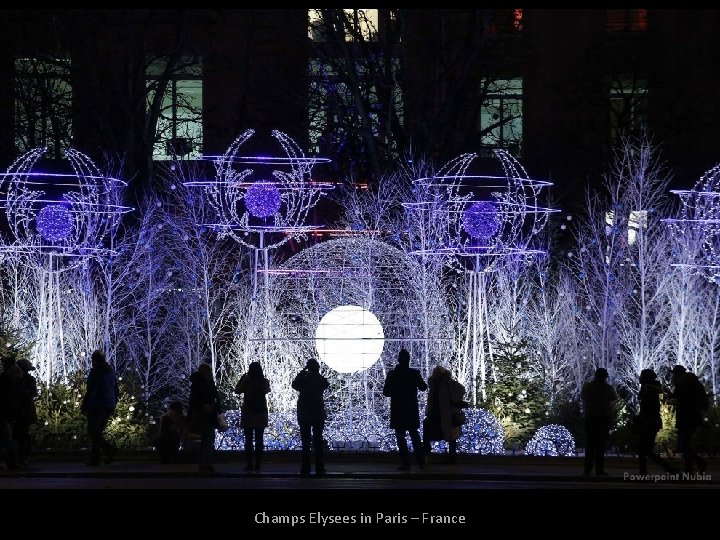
x,y
349,339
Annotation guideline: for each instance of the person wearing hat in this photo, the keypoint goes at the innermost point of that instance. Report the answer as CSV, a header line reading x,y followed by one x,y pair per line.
x,y
27,413
691,401
598,399
311,414
649,421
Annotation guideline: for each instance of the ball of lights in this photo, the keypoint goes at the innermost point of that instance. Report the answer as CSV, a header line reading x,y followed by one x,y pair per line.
x,y
357,429
349,339
282,432
263,199
481,434
481,221
54,222
551,440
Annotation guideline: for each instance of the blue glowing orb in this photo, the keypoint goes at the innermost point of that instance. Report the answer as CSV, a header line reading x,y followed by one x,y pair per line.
x,y
481,220
54,222
263,200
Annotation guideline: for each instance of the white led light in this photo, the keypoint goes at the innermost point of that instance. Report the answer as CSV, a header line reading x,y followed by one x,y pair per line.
x,y
349,339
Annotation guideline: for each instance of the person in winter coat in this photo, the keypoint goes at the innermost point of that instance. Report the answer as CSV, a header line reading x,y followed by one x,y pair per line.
x,y
101,397
254,413
11,390
691,402
445,397
649,421
27,413
401,386
203,408
598,399
311,414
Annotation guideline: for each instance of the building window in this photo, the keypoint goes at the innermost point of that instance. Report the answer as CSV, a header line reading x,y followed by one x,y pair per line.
x,y
43,105
501,115
179,131
502,21
628,107
362,23
334,108
637,221
627,20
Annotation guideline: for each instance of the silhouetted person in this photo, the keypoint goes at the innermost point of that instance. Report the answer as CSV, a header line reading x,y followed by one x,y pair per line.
x,y
401,386
101,397
172,429
311,414
691,400
11,390
203,408
598,398
445,397
649,421
254,413
27,413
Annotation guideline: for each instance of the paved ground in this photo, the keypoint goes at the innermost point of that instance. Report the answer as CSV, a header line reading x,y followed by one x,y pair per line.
x,y
359,490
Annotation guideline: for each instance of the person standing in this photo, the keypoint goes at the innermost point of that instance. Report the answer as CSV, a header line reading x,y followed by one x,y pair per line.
x,y
101,397
254,413
11,391
401,386
598,399
27,413
311,414
203,408
650,421
445,396
691,401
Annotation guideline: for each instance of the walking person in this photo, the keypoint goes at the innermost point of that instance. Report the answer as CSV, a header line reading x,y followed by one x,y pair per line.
x,y
691,401
598,399
253,413
649,421
401,386
203,408
27,412
101,397
445,397
311,415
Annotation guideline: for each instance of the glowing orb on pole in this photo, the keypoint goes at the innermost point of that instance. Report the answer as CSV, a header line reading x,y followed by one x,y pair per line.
x,y
349,339
481,221
54,222
263,199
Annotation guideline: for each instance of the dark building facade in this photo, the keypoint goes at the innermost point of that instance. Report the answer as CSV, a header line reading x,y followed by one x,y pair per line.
x,y
366,87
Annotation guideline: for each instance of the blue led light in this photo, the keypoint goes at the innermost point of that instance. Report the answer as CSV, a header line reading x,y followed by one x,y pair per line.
x,y
54,222
551,440
263,199
481,221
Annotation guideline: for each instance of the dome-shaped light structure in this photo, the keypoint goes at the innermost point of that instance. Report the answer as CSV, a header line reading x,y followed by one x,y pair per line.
x,y
551,440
